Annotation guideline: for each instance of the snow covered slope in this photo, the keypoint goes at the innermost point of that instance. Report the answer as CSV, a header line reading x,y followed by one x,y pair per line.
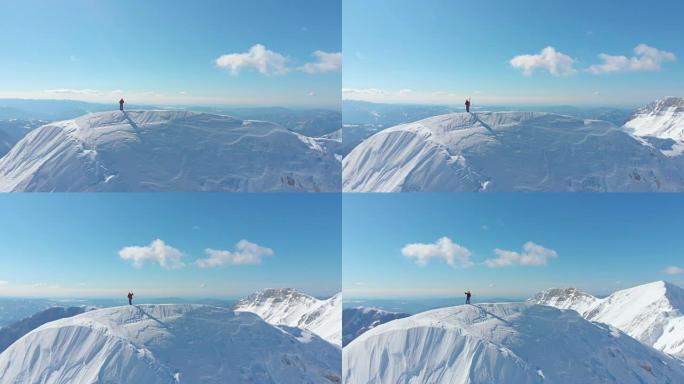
x,y
289,307
356,321
663,119
13,332
652,313
168,344
565,298
168,151
503,343
508,151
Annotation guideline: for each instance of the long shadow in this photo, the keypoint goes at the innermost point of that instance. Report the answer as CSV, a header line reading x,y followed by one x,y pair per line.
x,y
161,323
482,123
132,123
486,312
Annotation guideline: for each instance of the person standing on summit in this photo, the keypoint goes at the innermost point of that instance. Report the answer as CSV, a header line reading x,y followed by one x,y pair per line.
x,y
130,298
121,103
468,294
467,104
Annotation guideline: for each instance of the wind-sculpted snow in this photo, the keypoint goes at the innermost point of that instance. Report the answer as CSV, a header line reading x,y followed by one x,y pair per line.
x,y
291,308
663,119
356,321
503,343
13,332
652,313
168,151
168,344
509,151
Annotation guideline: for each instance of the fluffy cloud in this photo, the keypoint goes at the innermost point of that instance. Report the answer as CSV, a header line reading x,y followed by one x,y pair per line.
x,y
646,58
245,253
673,270
443,249
268,62
156,252
4,282
531,255
326,62
556,63
258,57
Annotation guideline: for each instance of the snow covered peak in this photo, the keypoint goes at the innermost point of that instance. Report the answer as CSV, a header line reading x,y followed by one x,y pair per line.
x,y
652,313
287,306
514,342
508,151
168,151
663,119
565,298
168,344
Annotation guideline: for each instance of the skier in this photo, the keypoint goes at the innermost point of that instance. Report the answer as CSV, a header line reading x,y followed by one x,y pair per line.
x,y
121,103
467,293
467,104
130,298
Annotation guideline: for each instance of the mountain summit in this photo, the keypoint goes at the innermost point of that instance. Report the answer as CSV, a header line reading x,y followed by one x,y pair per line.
x,y
168,344
663,119
508,151
168,151
652,313
523,343
289,307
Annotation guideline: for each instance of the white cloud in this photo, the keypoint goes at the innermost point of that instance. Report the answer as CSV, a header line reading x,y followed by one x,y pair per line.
x,y
268,62
311,93
531,255
245,253
556,63
4,282
646,58
443,249
326,62
73,91
364,91
156,252
673,270
258,57
203,285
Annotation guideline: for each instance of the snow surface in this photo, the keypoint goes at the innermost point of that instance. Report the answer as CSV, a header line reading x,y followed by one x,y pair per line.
x,y
663,119
168,344
289,307
356,321
652,313
15,331
518,343
509,151
168,151
565,298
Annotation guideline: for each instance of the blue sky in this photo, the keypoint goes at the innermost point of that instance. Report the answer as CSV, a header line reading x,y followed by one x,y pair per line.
x,y
161,51
70,245
597,242
441,51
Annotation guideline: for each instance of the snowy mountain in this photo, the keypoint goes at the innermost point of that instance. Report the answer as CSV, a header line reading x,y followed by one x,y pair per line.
x,y
503,343
168,150
356,321
565,298
168,344
291,308
663,119
509,151
14,332
651,313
